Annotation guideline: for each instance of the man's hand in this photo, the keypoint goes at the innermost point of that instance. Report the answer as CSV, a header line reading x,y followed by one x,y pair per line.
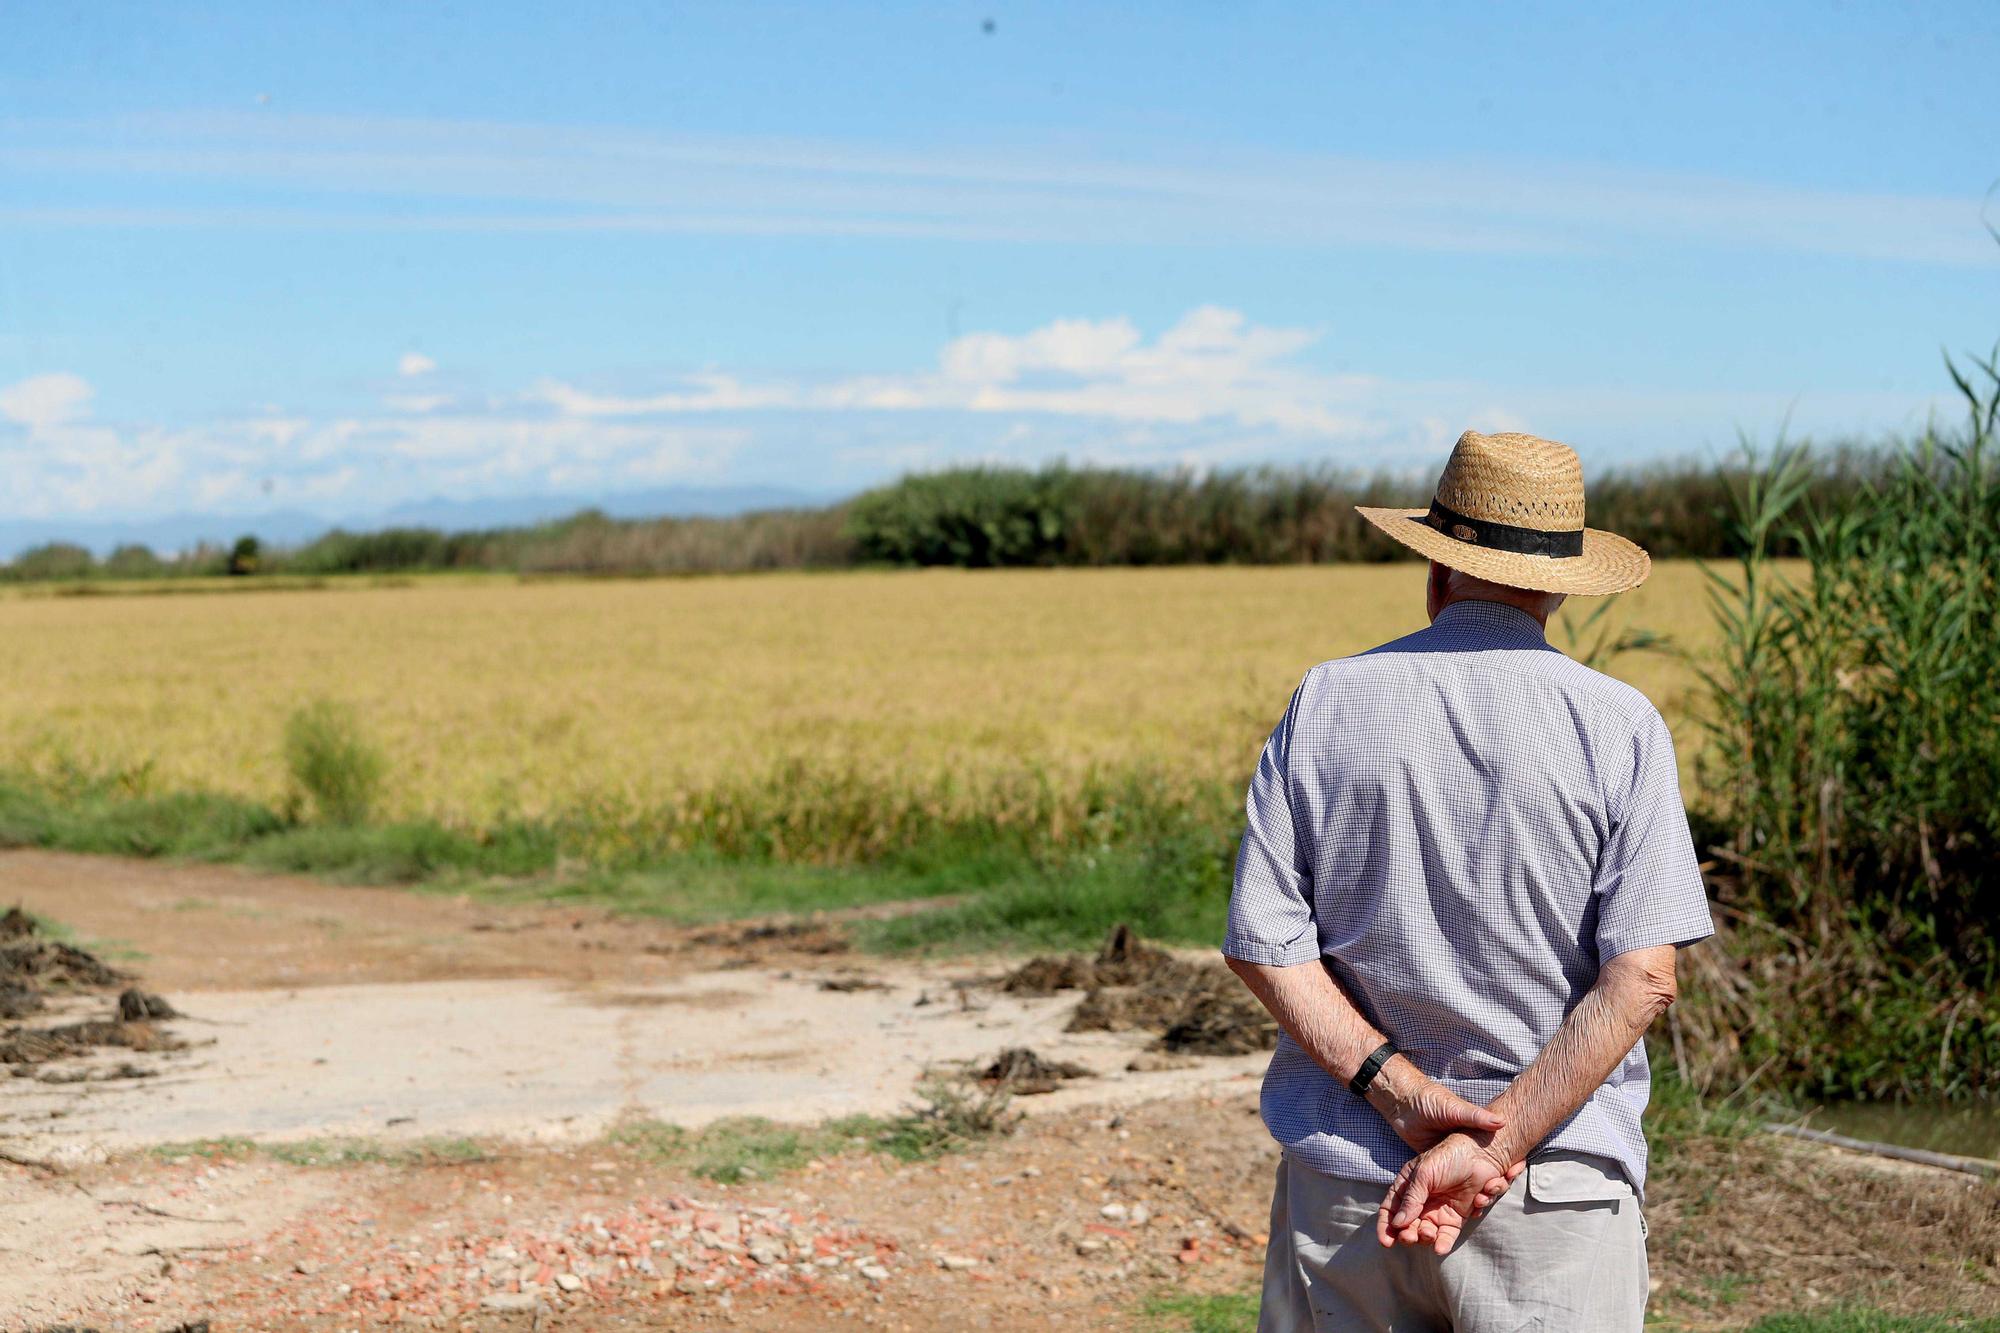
x,y
1423,1112
1436,1194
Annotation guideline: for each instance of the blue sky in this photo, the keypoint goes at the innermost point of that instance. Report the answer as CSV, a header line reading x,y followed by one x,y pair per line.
x,y
342,257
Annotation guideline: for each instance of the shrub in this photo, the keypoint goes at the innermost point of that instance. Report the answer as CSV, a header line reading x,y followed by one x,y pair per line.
x,y
331,763
245,556
133,561
973,517
53,560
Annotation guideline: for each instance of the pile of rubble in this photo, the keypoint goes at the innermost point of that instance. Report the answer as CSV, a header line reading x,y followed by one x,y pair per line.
x,y
37,974
1196,1006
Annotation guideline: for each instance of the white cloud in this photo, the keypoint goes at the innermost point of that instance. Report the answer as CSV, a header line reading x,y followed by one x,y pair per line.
x,y
41,401
415,363
540,178
358,463
417,402
706,392
1211,365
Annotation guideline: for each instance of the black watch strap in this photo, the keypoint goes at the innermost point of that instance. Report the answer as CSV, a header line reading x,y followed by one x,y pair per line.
x,y
1358,1085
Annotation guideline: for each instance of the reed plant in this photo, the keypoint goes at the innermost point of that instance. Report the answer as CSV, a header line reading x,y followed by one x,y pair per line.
x,y
1853,771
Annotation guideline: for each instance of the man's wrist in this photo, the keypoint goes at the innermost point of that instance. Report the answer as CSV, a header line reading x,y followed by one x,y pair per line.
x,y
1395,1086
1502,1143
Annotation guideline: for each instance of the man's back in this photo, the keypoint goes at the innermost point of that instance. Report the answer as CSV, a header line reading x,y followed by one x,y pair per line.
x,y
1453,821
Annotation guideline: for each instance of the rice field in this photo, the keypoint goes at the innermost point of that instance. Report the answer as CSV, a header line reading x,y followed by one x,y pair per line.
x,y
493,697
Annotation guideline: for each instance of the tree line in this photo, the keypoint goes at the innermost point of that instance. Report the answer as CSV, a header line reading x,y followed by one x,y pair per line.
x,y
987,517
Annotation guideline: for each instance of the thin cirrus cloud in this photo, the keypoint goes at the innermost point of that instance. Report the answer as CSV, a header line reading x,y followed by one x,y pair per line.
x,y
410,174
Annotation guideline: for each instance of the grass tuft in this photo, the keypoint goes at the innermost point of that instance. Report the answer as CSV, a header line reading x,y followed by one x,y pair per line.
x,y
332,765
1186,1312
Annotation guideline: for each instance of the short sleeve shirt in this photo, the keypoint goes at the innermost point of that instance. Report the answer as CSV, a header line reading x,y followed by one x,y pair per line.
x,y
1464,825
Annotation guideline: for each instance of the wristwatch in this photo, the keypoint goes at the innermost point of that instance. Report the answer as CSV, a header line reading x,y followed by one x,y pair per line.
x,y
1358,1085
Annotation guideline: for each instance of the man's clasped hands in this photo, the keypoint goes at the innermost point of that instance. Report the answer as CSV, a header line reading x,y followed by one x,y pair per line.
x,y
1458,1171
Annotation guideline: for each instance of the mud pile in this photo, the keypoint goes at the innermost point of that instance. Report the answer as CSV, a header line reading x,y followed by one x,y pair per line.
x,y
34,970
1025,1072
757,939
1196,1006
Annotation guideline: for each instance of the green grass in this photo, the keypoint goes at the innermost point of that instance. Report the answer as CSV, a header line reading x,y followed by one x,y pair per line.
x,y
748,1147
1164,870
953,1115
333,1151
1181,1312
1675,1115
1175,889
1185,1313
1871,1321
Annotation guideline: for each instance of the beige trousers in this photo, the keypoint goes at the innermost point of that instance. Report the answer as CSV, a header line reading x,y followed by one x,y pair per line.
x,y
1563,1251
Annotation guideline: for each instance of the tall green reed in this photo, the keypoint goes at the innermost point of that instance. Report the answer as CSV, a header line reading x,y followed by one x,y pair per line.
x,y
1854,769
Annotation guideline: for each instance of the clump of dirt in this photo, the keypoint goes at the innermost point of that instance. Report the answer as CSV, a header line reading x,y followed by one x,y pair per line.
x,y
44,964
1123,960
1229,1022
1196,1006
849,985
1026,1072
808,937
32,965
137,1006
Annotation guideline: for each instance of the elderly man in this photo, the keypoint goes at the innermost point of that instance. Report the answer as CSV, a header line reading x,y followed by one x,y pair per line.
x,y
1465,874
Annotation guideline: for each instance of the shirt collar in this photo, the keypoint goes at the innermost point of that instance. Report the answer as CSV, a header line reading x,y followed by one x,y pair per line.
x,y
1490,620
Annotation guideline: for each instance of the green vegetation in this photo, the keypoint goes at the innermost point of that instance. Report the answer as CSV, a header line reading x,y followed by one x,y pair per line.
x,y
1871,1321
1138,855
1856,777
331,763
1234,1312
333,1152
747,1147
952,1112
978,517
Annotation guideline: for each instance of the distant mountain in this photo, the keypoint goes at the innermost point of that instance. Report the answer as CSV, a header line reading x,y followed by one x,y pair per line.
x,y
294,527
510,511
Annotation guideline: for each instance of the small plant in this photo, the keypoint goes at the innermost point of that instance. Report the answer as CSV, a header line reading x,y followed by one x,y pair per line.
x,y
245,556
331,763
954,1110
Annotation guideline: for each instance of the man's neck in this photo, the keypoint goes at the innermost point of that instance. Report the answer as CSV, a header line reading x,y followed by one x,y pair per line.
x,y
1536,611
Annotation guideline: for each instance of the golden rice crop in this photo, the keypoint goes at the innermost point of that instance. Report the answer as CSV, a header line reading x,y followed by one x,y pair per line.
x,y
494,697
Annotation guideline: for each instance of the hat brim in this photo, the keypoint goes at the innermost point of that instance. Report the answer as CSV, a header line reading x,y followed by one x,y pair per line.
x,y
1609,563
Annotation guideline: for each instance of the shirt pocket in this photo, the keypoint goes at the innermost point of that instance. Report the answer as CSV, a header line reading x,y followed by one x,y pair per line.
x,y
1567,1177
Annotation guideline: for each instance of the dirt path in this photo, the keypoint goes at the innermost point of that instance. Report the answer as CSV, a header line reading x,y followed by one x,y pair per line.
x,y
319,1010
429,1016
201,927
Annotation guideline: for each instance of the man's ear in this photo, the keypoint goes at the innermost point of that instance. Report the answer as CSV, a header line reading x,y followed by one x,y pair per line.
x,y
1434,588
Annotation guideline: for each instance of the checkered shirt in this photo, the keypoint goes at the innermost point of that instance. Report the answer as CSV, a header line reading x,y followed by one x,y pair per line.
x,y
1464,824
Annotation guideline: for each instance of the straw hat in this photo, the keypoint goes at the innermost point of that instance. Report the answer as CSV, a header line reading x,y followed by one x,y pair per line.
x,y
1509,509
